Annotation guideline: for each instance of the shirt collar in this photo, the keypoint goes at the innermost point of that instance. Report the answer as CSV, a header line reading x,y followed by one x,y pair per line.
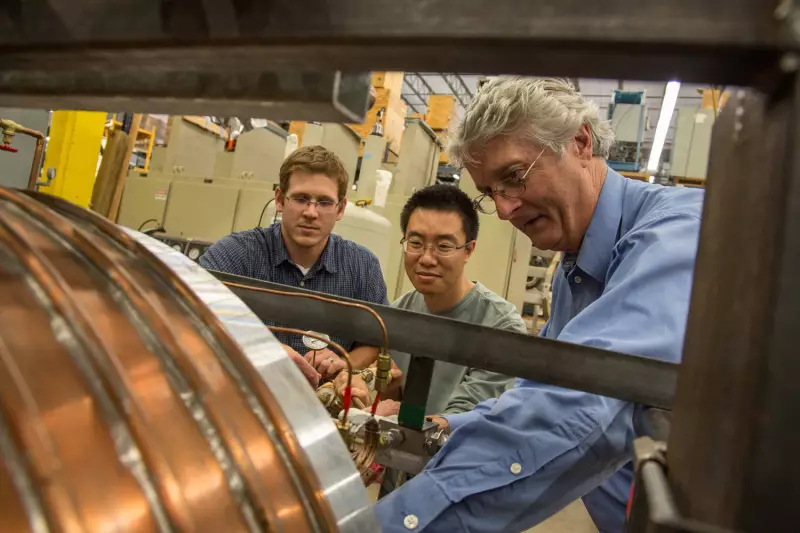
x,y
281,254
594,256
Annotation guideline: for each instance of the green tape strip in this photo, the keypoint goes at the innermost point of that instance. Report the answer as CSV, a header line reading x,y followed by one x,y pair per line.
x,y
411,415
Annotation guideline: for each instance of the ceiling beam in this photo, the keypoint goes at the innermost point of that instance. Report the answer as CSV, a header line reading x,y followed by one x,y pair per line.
x,y
453,84
419,87
466,88
409,104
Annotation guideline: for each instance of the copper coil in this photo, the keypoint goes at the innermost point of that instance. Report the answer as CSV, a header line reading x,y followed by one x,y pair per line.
x,y
125,405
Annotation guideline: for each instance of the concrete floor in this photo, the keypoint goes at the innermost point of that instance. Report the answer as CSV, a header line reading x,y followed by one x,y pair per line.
x,y
572,519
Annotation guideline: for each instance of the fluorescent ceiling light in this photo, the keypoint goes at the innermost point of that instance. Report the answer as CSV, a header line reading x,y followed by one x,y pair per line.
x,y
664,118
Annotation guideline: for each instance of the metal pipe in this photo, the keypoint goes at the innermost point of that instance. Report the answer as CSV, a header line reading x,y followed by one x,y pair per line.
x,y
574,366
37,161
363,307
11,128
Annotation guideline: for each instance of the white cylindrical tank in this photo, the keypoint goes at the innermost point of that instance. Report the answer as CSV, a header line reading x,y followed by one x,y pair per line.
x,y
368,229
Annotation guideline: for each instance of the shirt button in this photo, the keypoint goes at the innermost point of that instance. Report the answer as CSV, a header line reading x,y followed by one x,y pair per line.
x,y
411,521
516,468
578,279
302,283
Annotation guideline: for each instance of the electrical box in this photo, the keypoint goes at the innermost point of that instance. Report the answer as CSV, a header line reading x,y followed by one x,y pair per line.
x,y
143,199
628,122
201,210
418,160
190,150
252,203
258,156
692,144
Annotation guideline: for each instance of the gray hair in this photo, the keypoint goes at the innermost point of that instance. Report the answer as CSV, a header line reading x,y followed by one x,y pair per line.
x,y
549,110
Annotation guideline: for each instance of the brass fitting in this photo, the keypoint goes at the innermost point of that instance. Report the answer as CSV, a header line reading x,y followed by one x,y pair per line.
x,y
344,432
9,128
383,371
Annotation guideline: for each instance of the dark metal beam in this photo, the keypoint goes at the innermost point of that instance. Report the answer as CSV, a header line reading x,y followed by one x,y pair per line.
x,y
573,366
319,96
735,424
732,42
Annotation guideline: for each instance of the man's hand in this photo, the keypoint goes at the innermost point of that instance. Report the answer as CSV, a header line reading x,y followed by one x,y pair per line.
x,y
360,390
443,423
388,408
308,371
326,362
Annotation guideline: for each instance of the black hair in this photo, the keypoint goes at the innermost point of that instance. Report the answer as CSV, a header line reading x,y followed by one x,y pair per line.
x,y
447,198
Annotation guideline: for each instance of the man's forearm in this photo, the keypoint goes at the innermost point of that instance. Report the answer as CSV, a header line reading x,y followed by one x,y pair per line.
x,y
363,356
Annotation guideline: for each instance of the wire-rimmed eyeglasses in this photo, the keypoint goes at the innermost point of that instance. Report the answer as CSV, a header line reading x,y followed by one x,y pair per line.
x,y
512,187
323,206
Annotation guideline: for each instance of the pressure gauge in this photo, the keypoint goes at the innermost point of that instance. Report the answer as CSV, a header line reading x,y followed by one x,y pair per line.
x,y
315,344
194,253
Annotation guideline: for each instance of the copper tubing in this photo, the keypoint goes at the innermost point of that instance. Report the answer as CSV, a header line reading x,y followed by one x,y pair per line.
x,y
322,298
15,128
120,349
344,354
37,155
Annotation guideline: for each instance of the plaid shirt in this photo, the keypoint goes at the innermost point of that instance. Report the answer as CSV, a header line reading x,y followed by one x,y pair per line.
x,y
344,269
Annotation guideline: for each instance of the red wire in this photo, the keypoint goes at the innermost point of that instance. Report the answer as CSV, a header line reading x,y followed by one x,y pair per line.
x,y
375,403
346,400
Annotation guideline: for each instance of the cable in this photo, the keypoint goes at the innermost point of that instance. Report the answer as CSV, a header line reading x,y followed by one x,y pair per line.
x,y
320,298
148,221
159,229
348,391
261,217
375,403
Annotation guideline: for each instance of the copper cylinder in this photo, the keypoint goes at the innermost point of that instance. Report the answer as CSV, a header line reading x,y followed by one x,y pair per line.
x,y
138,394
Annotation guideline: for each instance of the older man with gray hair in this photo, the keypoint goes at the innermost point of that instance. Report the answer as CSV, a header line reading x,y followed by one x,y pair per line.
x,y
536,150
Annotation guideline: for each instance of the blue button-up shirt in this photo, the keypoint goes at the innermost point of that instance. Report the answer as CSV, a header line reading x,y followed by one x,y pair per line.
x,y
514,461
344,269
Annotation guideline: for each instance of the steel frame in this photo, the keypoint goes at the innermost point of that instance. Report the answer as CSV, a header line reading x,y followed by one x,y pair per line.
x,y
734,430
417,87
454,82
574,366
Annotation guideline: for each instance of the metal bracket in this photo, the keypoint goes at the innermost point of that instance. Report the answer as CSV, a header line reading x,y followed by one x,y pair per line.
x,y
653,508
408,450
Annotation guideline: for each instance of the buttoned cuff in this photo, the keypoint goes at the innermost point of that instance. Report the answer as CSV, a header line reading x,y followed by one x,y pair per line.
x,y
457,420
413,506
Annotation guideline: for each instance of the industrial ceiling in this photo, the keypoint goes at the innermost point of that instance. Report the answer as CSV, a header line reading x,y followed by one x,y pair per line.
x,y
418,86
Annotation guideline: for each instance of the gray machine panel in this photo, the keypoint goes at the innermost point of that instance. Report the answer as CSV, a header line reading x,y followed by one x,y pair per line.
x,y
258,156
251,204
143,199
201,210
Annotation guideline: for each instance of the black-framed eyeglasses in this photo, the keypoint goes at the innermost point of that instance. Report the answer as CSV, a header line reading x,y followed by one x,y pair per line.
x,y
512,187
414,246
323,206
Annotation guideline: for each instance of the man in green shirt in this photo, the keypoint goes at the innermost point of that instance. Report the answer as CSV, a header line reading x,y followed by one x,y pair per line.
x,y
440,230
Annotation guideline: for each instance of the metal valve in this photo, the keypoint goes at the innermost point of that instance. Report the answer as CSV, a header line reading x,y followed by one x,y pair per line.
x,y
383,371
